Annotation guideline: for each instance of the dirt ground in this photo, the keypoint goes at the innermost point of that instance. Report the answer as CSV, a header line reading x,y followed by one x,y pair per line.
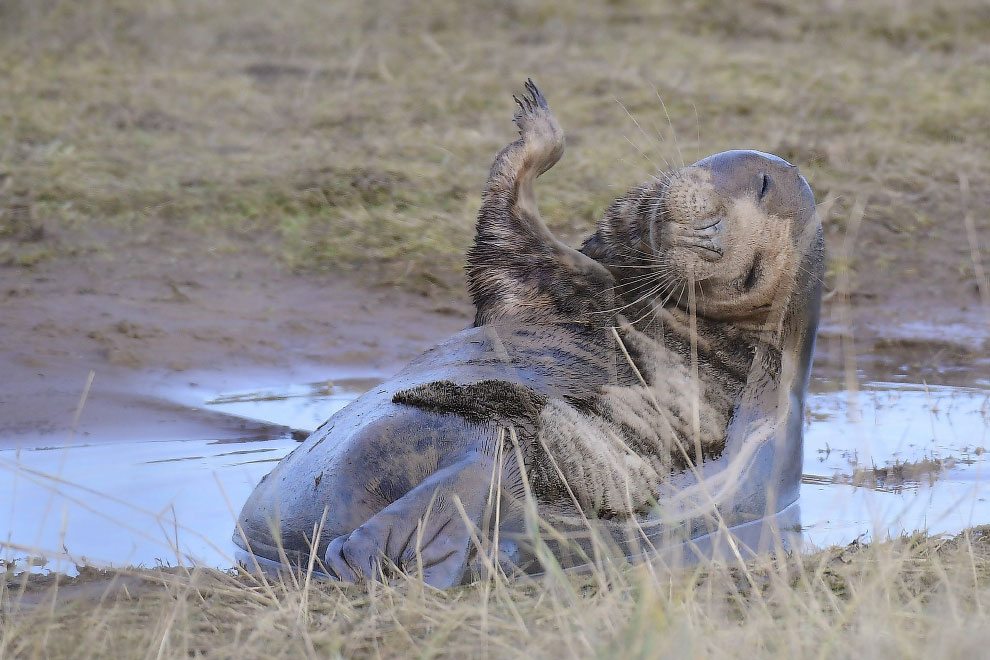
x,y
142,318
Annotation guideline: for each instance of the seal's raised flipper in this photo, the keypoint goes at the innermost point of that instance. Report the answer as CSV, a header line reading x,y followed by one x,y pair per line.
x,y
517,268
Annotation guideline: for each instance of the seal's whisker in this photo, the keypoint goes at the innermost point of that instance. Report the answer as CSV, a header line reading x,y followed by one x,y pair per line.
x,y
638,260
653,309
656,310
653,274
673,131
632,288
663,177
655,268
618,309
655,316
665,283
629,250
697,123
652,277
641,152
653,305
683,289
622,105
640,277
653,265
651,312
659,286
648,295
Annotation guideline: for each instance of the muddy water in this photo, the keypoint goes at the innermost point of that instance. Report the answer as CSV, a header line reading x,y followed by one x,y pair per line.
x,y
880,460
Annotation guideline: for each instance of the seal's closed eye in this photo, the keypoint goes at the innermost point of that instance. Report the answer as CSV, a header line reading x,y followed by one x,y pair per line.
x,y
764,186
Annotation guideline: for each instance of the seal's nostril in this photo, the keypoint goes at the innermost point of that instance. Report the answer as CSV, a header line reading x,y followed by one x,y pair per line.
x,y
764,186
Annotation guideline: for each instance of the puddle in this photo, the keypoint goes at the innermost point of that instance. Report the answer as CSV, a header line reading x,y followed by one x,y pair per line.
x,y
893,458
115,500
298,407
886,459
140,503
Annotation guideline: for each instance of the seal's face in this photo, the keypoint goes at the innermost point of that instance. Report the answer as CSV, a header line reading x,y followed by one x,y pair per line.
x,y
734,223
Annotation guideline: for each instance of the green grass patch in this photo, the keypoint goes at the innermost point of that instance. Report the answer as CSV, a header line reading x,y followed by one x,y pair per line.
x,y
339,135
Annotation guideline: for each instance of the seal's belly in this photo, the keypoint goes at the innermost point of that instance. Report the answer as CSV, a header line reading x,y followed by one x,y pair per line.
x,y
612,453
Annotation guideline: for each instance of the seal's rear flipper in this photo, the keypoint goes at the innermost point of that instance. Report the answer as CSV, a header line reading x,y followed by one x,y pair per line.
x,y
424,531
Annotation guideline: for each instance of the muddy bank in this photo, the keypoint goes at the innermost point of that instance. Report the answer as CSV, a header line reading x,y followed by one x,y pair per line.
x,y
143,398
144,322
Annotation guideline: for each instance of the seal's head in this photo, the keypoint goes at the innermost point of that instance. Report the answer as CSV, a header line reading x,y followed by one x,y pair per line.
x,y
738,224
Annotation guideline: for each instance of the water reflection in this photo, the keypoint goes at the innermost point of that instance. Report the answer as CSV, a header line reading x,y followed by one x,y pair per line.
x,y
893,458
885,459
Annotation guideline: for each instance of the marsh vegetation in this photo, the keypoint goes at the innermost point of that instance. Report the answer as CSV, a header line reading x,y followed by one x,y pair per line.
x,y
356,135
194,183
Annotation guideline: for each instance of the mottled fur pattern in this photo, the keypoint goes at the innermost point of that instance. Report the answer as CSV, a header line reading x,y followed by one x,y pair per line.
x,y
616,447
689,331
488,400
517,270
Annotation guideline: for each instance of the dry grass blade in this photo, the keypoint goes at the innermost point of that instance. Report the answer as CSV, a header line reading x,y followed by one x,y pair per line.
x,y
326,136
913,597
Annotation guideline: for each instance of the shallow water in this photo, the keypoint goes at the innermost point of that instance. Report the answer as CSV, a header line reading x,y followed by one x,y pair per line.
x,y
884,459
135,501
893,458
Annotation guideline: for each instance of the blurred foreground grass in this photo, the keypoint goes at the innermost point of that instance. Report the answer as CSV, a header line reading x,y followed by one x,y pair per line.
x,y
914,597
358,134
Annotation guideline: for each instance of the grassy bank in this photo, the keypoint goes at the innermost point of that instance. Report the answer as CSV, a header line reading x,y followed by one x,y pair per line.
x,y
344,135
915,597
355,136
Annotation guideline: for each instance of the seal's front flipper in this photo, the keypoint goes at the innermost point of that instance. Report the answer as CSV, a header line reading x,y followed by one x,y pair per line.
x,y
517,268
423,531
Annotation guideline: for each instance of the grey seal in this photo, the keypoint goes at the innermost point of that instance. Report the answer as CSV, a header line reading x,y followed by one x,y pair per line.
x,y
651,383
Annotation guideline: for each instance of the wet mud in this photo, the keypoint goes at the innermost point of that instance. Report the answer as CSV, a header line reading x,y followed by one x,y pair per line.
x,y
138,410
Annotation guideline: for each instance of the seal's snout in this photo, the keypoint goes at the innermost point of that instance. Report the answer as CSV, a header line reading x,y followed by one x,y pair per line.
x,y
690,199
692,215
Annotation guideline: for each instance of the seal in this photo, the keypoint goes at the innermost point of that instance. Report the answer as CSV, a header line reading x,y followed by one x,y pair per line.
x,y
651,383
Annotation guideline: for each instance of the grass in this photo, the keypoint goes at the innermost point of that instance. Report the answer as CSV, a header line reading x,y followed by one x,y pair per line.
x,y
913,597
355,136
